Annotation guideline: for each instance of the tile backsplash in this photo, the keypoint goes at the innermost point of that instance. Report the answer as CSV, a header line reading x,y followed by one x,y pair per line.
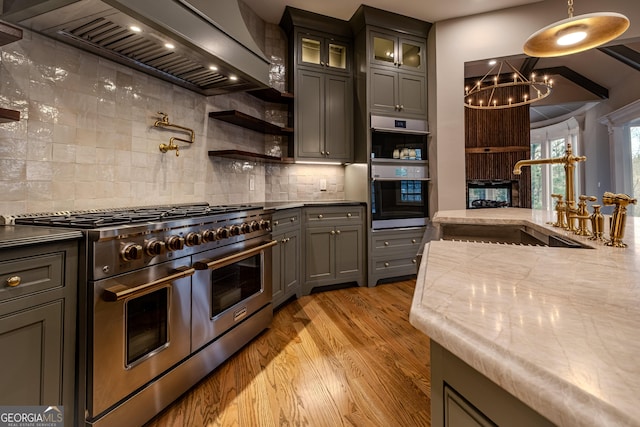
x,y
86,138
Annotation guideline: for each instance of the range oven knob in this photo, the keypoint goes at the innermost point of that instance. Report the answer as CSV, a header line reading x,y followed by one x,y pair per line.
x,y
131,251
154,247
175,243
222,232
193,239
265,224
235,230
255,226
246,228
209,235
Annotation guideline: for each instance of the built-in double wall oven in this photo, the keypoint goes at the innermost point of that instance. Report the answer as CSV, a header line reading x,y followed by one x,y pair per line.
x,y
399,172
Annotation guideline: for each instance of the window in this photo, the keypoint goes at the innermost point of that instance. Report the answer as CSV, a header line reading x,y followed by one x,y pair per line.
x,y
548,179
634,139
624,142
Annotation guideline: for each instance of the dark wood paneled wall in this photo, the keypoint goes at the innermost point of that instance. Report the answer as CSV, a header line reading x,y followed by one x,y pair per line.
x,y
495,140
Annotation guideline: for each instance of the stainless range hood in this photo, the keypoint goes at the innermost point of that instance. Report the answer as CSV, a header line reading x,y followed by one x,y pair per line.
x,y
204,33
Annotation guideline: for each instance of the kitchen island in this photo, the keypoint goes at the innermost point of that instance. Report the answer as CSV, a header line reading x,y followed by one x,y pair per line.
x,y
556,329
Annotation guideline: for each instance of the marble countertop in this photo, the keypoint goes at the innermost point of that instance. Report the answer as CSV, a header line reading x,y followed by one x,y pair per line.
x,y
558,328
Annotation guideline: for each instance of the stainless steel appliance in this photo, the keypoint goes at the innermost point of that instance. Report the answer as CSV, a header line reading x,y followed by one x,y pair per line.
x,y
168,294
212,50
399,172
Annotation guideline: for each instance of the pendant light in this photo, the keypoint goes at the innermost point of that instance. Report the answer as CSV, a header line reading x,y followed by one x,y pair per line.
x,y
576,34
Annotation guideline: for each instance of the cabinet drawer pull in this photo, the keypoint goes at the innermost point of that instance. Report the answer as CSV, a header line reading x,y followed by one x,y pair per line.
x,y
413,261
320,216
386,264
413,240
275,223
293,219
14,281
349,215
386,243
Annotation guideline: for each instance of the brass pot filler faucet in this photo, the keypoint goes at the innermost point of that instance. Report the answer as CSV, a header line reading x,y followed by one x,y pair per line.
x,y
163,122
567,211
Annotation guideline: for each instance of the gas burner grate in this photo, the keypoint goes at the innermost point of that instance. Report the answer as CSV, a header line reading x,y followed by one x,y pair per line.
x,y
122,216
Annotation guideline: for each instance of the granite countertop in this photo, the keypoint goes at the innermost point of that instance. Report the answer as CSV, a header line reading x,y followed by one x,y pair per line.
x,y
558,328
20,235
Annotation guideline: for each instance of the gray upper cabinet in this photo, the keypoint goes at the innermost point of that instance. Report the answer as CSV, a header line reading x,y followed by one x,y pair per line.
x,y
394,92
398,51
324,102
321,51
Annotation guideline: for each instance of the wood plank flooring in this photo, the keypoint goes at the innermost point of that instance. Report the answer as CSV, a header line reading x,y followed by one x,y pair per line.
x,y
346,357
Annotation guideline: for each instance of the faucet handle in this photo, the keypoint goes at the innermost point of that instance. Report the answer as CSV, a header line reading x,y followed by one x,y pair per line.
x,y
557,196
584,198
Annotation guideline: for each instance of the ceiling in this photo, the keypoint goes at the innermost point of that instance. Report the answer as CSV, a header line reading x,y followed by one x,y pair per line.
x,y
579,79
425,10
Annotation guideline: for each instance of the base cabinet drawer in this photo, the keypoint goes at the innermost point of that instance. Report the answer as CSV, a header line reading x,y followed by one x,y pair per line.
x,y
24,276
394,253
402,265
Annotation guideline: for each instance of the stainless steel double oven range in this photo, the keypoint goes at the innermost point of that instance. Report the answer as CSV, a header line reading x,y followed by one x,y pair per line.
x,y
169,293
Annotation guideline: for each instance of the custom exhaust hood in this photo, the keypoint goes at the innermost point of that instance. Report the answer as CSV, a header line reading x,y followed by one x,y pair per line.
x,y
213,51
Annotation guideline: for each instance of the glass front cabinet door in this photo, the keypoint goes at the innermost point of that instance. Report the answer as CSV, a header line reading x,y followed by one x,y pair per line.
x,y
400,52
324,52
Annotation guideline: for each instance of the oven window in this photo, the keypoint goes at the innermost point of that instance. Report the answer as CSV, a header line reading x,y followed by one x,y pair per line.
x,y
235,282
399,199
411,191
146,318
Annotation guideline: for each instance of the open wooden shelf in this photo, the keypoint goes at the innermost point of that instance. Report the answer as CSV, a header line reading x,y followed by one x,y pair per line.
x,y
9,115
273,95
249,122
249,157
9,34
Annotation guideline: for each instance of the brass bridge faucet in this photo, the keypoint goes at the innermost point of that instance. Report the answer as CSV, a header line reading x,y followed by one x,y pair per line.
x,y
618,218
164,123
583,215
569,161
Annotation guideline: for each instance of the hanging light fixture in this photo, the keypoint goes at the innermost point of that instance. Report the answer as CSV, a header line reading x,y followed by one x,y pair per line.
x,y
576,33
515,90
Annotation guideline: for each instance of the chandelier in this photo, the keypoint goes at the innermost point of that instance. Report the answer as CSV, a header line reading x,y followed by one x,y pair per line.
x,y
511,89
576,34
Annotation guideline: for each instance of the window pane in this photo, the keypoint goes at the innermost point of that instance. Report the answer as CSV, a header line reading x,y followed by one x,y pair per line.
x,y
557,171
635,161
536,178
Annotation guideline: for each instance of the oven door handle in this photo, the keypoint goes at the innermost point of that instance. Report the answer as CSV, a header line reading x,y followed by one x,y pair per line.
x,y
119,292
218,263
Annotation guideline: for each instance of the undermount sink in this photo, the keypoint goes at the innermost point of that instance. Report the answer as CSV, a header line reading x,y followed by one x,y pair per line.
x,y
506,234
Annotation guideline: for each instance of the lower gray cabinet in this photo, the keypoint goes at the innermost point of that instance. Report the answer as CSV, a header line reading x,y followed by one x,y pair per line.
x,y
394,253
286,255
463,397
38,286
333,246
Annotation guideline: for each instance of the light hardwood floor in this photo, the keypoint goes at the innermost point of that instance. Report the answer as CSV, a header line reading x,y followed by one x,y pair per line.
x,y
346,357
